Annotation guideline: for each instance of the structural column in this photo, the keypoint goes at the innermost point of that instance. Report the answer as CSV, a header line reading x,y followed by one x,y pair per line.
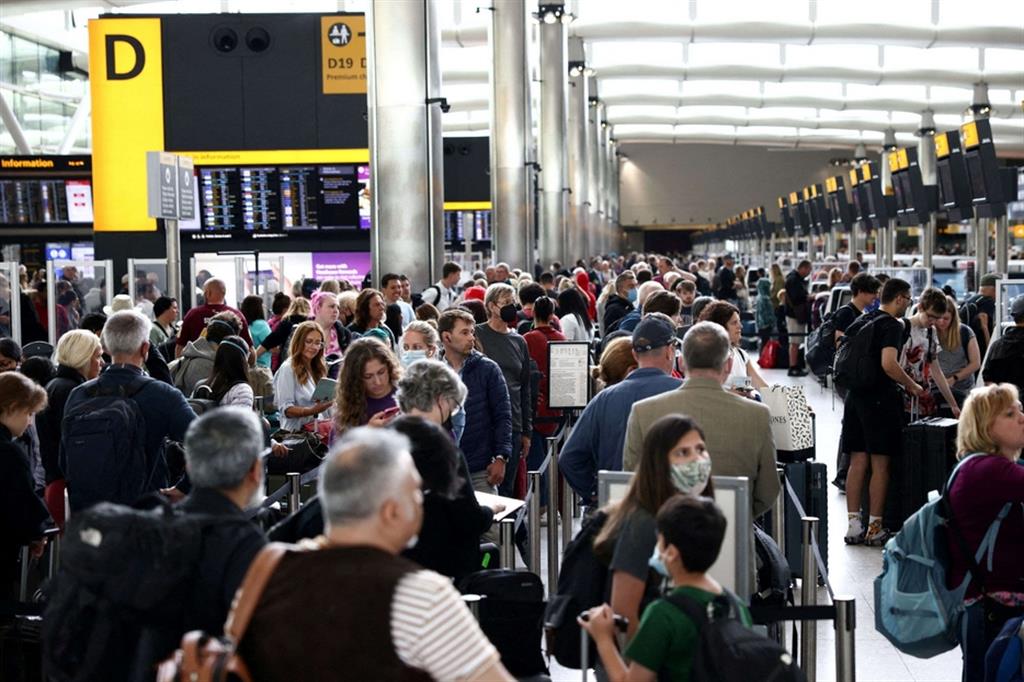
x,y
578,132
403,39
602,176
553,75
510,122
592,239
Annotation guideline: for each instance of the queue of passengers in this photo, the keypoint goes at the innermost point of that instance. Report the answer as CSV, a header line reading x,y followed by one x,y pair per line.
x,y
443,394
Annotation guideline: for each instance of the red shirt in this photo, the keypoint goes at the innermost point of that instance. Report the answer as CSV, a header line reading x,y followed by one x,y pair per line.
x,y
537,343
197,318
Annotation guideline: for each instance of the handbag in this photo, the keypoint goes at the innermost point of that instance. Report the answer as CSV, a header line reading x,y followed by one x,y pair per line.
x,y
791,421
203,656
769,357
306,449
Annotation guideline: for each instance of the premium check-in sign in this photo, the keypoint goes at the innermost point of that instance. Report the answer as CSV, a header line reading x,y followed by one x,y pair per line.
x,y
343,54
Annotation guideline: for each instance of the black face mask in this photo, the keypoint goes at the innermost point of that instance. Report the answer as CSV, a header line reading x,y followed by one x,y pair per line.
x,y
508,313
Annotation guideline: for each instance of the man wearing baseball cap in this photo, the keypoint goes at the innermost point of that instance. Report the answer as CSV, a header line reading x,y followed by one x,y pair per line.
x,y
596,442
1005,359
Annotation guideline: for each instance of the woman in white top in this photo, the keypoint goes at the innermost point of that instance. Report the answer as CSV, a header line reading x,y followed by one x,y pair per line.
x,y
572,315
743,367
228,383
920,357
296,379
742,288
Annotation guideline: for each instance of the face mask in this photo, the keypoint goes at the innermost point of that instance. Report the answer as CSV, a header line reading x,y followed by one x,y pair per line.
x,y
508,313
631,295
691,477
657,564
410,356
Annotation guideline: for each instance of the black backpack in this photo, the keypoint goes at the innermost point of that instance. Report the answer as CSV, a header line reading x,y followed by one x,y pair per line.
x,y
582,584
855,367
103,446
125,580
727,650
821,346
968,311
774,578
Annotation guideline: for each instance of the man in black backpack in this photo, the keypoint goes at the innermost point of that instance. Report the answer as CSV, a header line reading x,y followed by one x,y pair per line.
x,y
979,311
676,639
114,428
873,417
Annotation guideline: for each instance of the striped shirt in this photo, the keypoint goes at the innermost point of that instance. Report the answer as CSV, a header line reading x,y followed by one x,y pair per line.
x,y
433,631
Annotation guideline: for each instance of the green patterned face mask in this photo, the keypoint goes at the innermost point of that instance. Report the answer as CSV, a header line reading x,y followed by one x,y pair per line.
x,y
691,477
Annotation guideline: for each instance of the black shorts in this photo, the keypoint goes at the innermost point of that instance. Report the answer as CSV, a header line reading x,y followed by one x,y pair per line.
x,y
873,422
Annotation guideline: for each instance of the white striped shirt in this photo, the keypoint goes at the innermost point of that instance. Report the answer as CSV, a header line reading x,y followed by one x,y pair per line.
x,y
434,631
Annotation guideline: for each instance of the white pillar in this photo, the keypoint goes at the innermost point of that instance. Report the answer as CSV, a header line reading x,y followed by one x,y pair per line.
x,y
553,74
578,152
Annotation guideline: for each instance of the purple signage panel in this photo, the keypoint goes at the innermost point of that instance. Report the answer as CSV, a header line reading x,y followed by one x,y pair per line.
x,y
351,266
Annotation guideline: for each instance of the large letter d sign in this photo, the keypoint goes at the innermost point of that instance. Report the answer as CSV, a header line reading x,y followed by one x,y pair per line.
x,y
140,58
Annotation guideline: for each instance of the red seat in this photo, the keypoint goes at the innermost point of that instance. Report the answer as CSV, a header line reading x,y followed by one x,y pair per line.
x,y
53,496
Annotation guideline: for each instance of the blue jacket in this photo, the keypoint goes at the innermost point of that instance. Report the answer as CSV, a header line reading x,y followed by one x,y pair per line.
x,y
597,439
488,429
163,407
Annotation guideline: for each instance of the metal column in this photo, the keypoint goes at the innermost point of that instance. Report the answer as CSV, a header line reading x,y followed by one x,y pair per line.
x,y
928,231
578,131
403,40
1002,244
553,75
510,123
979,233
845,624
809,597
602,177
592,241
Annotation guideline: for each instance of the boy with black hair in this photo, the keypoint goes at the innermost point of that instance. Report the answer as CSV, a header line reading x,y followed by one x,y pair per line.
x,y
690,534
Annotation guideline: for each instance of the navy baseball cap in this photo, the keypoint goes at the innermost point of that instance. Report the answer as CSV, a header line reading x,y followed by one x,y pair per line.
x,y
652,332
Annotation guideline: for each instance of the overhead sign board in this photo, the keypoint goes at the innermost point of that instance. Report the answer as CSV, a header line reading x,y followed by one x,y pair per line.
x,y
343,54
162,183
186,180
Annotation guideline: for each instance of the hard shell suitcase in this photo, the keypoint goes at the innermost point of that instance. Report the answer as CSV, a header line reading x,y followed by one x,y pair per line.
x,y
511,615
809,481
927,459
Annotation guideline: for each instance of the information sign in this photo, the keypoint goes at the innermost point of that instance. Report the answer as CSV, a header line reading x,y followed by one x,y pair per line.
x,y
568,374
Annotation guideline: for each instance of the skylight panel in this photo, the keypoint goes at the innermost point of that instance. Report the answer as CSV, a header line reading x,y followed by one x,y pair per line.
x,y
794,11
649,10
899,13
610,87
625,112
981,13
713,87
860,91
714,54
803,89
1003,60
899,57
636,129
696,113
831,55
651,52
690,129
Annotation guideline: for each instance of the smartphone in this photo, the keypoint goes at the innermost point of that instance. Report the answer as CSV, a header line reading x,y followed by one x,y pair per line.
x,y
392,411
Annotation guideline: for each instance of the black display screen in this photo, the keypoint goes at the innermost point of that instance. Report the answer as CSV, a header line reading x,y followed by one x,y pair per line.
x,y
45,202
975,176
947,196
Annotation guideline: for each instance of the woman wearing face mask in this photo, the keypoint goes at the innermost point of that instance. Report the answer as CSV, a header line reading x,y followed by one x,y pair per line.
x,y
366,387
674,460
419,342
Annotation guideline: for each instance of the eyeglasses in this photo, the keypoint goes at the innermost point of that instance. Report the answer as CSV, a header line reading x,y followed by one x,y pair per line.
x,y
312,343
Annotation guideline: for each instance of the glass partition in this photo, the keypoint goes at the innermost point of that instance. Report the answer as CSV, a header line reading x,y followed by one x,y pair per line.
x,y
1006,291
147,281
207,265
10,302
919,278
73,290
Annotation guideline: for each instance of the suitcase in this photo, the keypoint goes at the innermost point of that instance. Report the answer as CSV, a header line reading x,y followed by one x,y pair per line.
x,y
512,616
925,463
809,481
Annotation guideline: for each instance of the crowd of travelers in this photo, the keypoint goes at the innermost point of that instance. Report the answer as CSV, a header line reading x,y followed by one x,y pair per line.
x,y
408,404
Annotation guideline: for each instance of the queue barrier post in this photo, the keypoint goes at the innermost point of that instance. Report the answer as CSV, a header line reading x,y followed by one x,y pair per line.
x,y
23,579
845,624
54,546
569,508
472,601
534,483
779,512
553,548
507,542
294,492
809,597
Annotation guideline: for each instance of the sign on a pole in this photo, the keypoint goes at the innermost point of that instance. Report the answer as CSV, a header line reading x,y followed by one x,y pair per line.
x,y
186,180
162,181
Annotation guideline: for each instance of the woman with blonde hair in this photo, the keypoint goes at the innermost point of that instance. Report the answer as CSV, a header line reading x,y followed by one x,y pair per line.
x,y
366,387
617,360
988,485
419,342
959,355
296,379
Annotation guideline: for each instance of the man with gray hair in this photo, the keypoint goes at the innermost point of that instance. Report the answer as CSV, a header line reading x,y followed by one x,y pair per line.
x,y
119,418
353,609
748,451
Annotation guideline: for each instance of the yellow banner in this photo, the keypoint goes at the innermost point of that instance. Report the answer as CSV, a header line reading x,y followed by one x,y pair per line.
x,y
941,146
277,157
903,158
343,54
969,131
467,206
126,84
832,184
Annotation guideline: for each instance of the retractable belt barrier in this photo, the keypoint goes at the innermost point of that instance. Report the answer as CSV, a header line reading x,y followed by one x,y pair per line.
x,y
281,493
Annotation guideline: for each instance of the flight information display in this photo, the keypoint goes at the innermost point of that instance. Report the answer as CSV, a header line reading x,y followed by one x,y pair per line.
x,y
45,202
283,198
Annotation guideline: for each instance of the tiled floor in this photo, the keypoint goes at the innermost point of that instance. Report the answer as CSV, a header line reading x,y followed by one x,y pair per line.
x,y
851,571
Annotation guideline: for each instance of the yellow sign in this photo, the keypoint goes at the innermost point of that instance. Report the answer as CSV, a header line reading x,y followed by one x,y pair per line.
x,y
782,202
343,54
853,177
794,198
467,205
969,131
831,184
126,84
865,172
904,159
894,162
277,157
1018,231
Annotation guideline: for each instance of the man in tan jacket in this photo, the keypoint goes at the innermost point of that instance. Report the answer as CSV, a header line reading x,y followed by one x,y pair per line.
x,y
737,430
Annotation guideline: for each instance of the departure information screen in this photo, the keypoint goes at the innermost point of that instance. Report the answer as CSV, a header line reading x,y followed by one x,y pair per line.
x,y
283,198
45,202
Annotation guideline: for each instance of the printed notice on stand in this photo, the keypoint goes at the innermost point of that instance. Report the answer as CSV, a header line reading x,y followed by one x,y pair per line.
x,y
568,374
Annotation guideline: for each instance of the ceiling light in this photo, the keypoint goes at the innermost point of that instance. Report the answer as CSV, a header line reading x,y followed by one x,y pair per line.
x,y
889,139
576,69
552,13
927,123
980,106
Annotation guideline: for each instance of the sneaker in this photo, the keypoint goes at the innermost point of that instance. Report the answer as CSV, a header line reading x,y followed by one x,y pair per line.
x,y
840,483
854,532
876,536
799,372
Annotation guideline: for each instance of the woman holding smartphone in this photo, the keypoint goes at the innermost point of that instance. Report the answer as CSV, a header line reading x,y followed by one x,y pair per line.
x,y
366,386
296,379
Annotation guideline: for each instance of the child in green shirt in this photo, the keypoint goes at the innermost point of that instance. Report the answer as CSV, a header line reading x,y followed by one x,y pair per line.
x,y
690,533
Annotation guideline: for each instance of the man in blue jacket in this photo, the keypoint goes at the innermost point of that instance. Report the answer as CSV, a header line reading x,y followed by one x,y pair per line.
x,y
597,440
486,439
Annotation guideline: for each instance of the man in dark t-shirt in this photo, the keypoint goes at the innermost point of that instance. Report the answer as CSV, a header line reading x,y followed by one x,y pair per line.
x,y
865,289
985,319
726,281
873,416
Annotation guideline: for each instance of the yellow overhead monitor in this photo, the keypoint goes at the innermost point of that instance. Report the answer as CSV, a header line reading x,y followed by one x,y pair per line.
x,y
969,133
794,198
893,159
865,172
941,146
854,179
903,159
832,184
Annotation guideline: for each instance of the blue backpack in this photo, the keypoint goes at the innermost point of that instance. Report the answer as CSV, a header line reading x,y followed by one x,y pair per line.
x,y
1004,661
103,446
914,609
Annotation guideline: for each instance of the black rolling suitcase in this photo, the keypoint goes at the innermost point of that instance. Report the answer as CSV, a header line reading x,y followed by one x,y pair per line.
x,y
512,616
927,458
809,481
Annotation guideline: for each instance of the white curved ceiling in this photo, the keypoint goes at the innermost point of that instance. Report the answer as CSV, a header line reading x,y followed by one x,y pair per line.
x,y
814,73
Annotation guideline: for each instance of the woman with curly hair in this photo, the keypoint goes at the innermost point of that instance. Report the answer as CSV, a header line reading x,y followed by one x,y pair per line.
x,y
295,381
366,386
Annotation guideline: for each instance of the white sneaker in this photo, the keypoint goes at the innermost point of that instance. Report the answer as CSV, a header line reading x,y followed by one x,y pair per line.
x,y
854,532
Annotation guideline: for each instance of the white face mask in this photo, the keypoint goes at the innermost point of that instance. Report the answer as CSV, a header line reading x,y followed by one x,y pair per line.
x,y
410,356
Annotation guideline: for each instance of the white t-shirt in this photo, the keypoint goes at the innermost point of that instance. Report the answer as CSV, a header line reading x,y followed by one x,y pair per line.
x,y
289,392
738,373
573,329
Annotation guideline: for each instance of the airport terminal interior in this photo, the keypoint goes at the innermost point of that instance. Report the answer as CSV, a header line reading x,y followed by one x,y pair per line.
x,y
504,339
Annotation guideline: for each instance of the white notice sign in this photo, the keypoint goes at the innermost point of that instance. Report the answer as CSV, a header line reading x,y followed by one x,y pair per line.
x,y
568,374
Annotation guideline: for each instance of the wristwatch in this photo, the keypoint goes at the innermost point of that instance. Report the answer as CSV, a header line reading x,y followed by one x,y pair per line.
x,y
503,458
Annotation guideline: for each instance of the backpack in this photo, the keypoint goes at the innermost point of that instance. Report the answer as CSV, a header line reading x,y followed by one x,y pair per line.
x,y
582,584
821,346
103,446
774,579
437,299
727,650
855,367
1004,661
968,312
914,608
202,405
126,575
